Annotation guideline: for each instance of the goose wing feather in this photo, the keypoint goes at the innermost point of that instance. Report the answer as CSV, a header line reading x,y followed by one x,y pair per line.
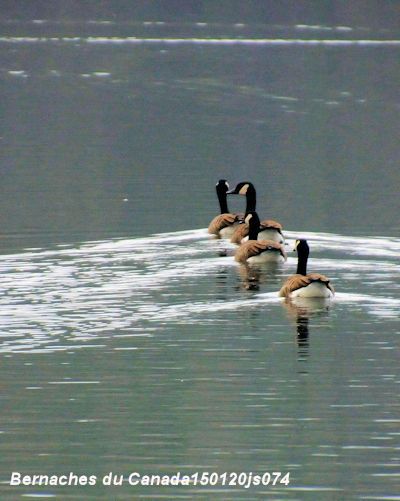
x,y
317,277
298,281
256,247
270,223
222,221
241,231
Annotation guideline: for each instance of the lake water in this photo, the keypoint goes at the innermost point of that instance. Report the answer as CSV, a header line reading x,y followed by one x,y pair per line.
x,y
130,340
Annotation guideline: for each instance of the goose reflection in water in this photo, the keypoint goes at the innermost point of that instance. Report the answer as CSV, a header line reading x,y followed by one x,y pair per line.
x,y
252,276
302,336
300,311
221,281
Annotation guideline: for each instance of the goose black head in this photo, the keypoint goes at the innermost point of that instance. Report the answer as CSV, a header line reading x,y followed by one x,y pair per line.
x,y
241,188
222,186
303,250
253,221
301,247
247,189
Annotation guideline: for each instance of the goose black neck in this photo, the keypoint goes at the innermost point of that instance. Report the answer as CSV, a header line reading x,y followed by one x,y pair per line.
x,y
223,204
254,227
250,199
302,261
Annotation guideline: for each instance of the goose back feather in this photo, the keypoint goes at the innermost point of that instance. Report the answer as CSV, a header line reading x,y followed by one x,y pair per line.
x,y
260,251
296,285
224,225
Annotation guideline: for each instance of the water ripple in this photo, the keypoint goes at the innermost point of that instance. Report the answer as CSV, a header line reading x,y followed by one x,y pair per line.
x,y
76,296
202,41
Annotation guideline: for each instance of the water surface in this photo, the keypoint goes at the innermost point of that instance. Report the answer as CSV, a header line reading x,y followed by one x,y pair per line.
x,y
128,342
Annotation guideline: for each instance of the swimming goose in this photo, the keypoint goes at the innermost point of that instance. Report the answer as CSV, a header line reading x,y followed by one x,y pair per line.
x,y
305,284
259,251
269,229
225,224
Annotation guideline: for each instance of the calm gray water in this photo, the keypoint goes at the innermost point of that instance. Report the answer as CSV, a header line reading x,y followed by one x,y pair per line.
x,y
127,342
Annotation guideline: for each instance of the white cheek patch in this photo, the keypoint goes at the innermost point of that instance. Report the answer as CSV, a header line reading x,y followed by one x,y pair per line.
x,y
244,189
227,184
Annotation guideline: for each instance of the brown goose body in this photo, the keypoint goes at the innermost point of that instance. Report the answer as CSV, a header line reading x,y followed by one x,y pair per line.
x,y
303,284
224,224
260,251
296,283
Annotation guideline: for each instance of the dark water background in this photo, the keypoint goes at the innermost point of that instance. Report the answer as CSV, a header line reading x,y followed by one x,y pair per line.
x,y
127,343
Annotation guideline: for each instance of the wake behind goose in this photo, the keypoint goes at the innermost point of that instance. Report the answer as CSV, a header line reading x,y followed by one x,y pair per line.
x,y
83,295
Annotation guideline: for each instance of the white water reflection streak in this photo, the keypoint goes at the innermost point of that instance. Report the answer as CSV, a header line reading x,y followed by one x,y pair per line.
x,y
52,299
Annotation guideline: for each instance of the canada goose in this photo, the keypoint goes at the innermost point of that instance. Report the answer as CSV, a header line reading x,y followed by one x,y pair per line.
x,y
305,284
259,251
225,224
269,229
